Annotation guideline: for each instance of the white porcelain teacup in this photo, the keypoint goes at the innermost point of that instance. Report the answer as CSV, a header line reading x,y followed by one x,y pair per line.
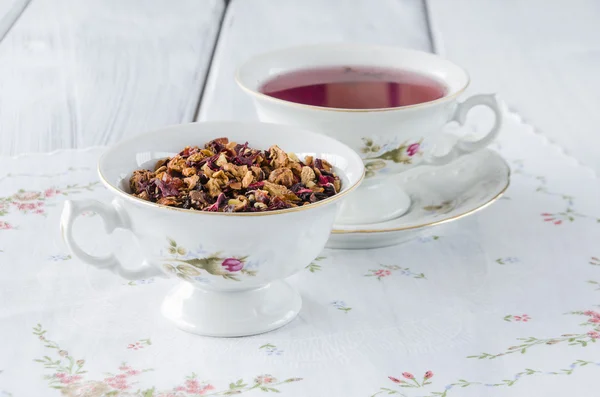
x,y
389,140
231,265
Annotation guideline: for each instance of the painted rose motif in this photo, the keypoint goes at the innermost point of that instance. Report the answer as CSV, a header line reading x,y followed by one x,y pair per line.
x,y
373,166
5,226
375,154
413,149
233,265
189,267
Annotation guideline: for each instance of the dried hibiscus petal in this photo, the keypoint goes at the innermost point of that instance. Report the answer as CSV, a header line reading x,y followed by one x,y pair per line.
x,y
215,207
167,188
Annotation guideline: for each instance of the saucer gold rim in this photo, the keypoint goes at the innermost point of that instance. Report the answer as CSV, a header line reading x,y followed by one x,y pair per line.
x,y
435,223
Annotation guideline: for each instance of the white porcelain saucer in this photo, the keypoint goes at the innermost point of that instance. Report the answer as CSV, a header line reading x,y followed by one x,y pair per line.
x,y
438,195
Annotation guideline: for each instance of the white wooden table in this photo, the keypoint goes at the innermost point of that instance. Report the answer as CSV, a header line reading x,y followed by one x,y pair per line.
x,y
79,73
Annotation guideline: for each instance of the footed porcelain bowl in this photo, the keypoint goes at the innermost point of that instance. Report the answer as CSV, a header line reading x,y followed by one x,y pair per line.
x,y
230,266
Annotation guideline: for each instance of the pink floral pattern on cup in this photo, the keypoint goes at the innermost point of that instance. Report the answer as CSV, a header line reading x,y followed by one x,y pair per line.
x,y
191,266
413,149
233,265
376,154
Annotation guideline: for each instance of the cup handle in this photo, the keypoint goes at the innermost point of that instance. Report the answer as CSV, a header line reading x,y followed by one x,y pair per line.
x,y
114,217
464,146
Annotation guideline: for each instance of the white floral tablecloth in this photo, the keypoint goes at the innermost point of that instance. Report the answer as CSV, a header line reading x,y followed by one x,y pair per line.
x,y
502,303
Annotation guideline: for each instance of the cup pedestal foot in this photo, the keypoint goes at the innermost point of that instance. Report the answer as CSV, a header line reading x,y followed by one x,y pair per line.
x,y
231,313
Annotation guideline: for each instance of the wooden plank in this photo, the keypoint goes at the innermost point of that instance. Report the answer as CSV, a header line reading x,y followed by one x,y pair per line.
x,y
543,57
78,73
252,27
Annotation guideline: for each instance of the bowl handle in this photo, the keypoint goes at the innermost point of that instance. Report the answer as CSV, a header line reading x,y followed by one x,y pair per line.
x,y
464,146
114,217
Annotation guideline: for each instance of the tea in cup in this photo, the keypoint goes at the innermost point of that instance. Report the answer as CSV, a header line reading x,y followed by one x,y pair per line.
x,y
388,104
